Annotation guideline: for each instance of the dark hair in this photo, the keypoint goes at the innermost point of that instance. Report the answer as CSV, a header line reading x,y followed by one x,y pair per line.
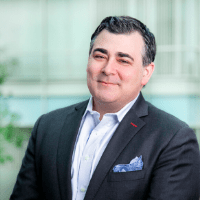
x,y
128,25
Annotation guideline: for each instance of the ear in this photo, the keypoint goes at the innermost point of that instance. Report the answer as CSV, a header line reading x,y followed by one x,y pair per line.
x,y
147,73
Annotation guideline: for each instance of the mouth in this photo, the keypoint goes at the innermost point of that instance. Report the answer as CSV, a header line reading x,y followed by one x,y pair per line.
x,y
106,83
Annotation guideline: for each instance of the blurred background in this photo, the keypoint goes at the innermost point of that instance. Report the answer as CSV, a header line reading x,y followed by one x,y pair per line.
x,y
44,47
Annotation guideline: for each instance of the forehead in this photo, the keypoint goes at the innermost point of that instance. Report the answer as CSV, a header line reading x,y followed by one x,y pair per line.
x,y
127,43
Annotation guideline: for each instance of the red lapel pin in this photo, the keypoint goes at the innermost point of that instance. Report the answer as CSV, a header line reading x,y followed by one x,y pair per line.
x,y
133,124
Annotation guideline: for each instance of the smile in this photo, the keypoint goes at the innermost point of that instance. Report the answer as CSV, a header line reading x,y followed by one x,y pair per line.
x,y
106,84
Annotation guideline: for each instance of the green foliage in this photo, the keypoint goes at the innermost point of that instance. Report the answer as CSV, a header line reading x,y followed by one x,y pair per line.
x,y
3,157
13,135
9,132
3,73
4,66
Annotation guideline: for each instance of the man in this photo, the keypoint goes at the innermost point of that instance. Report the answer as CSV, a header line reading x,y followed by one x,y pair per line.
x,y
116,145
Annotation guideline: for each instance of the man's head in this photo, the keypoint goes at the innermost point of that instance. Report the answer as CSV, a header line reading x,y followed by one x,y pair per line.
x,y
127,25
120,62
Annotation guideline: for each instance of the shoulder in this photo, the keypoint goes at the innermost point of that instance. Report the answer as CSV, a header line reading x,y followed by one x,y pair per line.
x,y
167,130
163,118
66,110
165,126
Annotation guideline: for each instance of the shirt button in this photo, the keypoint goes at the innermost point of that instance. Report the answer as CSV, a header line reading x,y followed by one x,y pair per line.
x,y
87,157
83,189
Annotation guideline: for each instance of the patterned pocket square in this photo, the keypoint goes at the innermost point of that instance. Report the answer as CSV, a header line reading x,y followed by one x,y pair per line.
x,y
135,165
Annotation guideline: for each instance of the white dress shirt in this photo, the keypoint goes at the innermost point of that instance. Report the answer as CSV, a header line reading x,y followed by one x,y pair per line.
x,y
92,139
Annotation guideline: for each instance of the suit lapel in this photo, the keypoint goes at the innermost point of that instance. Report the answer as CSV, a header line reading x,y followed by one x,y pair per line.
x,y
123,134
65,149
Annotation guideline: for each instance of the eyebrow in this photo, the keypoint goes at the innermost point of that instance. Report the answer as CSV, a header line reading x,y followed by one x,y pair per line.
x,y
120,54
104,51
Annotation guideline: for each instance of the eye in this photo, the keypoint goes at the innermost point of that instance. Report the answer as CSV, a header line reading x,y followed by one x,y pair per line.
x,y
99,56
123,61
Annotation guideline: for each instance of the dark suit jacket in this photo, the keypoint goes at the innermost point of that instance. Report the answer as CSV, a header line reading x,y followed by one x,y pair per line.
x,y
168,147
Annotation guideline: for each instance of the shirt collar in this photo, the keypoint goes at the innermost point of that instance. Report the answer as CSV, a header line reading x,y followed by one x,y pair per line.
x,y
120,114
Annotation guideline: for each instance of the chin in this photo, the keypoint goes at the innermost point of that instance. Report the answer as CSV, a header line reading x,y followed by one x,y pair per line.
x,y
102,95
105,99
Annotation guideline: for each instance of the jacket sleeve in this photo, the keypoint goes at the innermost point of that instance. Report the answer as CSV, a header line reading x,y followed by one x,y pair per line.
x,y
27,184
176,174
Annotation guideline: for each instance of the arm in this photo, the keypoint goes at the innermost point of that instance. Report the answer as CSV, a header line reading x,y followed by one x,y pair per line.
x,y
176,174
27,184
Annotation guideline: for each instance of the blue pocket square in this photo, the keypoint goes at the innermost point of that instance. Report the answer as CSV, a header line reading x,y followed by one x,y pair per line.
x,y
134,165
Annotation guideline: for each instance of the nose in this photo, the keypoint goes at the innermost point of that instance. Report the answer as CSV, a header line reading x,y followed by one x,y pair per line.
x,y
109,67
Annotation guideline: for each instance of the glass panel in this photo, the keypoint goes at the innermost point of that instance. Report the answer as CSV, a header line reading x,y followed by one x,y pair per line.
x,y
67,67
165,22
107,8
165,63
68,39
20,36
27,68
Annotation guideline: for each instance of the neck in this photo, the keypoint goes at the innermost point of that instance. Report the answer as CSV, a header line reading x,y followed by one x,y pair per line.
x,y
107,107
104,108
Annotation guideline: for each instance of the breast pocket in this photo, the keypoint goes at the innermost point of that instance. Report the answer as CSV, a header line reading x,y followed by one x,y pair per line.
x,y
126,176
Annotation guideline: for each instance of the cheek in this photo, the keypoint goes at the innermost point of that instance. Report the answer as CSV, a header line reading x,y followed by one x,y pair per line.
x,y
89,71
127,75
132,77
92,72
